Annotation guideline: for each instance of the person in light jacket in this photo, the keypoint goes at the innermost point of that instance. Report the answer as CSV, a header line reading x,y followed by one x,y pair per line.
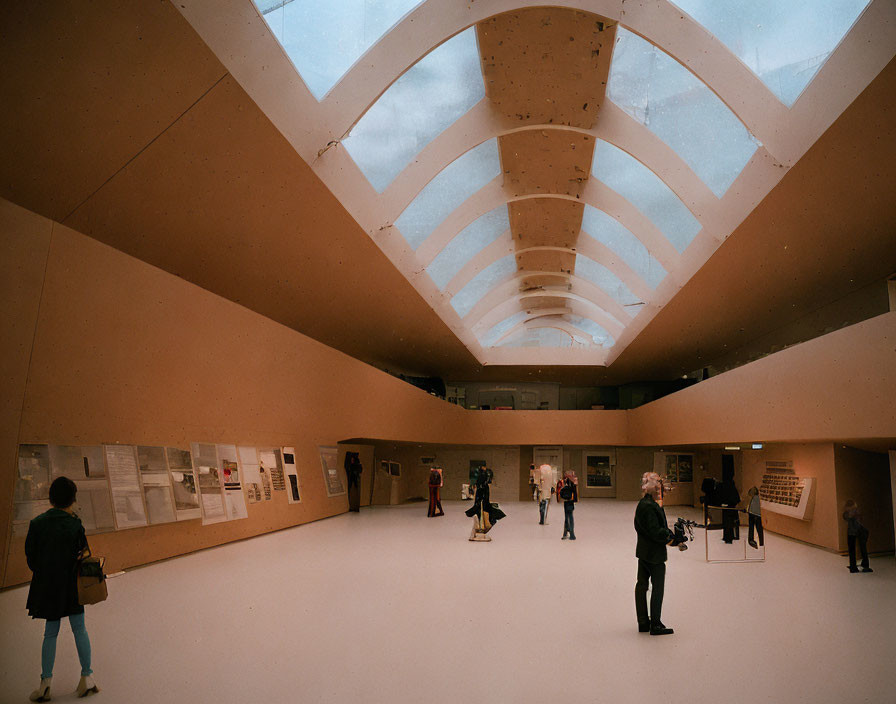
x,y
545,483
55,540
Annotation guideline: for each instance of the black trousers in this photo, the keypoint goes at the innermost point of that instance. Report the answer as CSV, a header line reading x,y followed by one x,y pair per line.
x,y
863,546
757,522
655,574
730,531
435,502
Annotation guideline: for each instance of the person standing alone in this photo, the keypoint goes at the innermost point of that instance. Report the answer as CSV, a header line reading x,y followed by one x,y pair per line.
x,y
435,489
653,536
568,492
55,540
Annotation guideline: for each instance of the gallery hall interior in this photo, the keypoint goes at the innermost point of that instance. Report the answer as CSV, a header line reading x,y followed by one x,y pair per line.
x,y
420,350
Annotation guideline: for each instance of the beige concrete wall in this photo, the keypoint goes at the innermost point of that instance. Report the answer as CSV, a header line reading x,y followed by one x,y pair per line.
x,y
809,460
24,240
841,385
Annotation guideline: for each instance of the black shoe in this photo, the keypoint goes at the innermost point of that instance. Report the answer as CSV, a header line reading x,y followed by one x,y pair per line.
x,y
564,537
572,537
864,569
753,544
853,569
661,630
643,627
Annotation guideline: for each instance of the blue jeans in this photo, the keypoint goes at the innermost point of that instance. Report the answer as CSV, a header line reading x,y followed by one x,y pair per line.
x,y
82,643
568,522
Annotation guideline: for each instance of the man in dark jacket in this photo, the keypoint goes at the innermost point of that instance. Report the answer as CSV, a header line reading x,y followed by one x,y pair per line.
x,y
653,536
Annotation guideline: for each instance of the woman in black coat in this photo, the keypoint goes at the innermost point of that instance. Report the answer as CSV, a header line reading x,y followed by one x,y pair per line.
x,y
55,540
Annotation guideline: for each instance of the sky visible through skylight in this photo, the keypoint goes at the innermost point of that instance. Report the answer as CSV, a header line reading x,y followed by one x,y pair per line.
x,y
324,39
784,43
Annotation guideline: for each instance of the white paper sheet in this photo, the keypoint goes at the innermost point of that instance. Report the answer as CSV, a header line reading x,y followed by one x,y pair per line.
x,y
127,497
205,462
184,485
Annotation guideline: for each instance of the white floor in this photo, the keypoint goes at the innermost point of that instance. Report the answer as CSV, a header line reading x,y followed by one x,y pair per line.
x,y
389,606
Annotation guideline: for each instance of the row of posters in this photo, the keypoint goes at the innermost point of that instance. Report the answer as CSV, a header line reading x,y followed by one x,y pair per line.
x,y
127,486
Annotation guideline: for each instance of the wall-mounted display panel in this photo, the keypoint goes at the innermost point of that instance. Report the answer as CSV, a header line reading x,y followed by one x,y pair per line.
x,y
785,493
332,479
289,469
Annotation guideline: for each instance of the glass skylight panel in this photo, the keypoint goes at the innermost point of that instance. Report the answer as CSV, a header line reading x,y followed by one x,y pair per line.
x,y
496,331
598,334
539,337
324,39
677,107
647,192
606,280
783,43
451,187
619,239
467,244
464,300
429,97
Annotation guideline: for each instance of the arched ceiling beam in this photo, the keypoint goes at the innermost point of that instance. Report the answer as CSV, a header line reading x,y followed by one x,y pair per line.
x,y
595,194
532,323
436,21
613,316
613,125
516,301
512,306
586,245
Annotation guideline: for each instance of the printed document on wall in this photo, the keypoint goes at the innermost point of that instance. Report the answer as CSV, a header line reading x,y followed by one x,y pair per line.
x,y
211,491
124,481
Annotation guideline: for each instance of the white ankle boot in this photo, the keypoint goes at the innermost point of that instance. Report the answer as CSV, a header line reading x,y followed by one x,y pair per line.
x,y
42,693
87,686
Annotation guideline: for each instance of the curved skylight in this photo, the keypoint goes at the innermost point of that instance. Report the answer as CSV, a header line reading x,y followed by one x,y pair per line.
x,y
464,300
605,279
429,97
677,107
647,192
538,337
495,332
451,187
619,239
783,43
467,244
598,335
324,39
